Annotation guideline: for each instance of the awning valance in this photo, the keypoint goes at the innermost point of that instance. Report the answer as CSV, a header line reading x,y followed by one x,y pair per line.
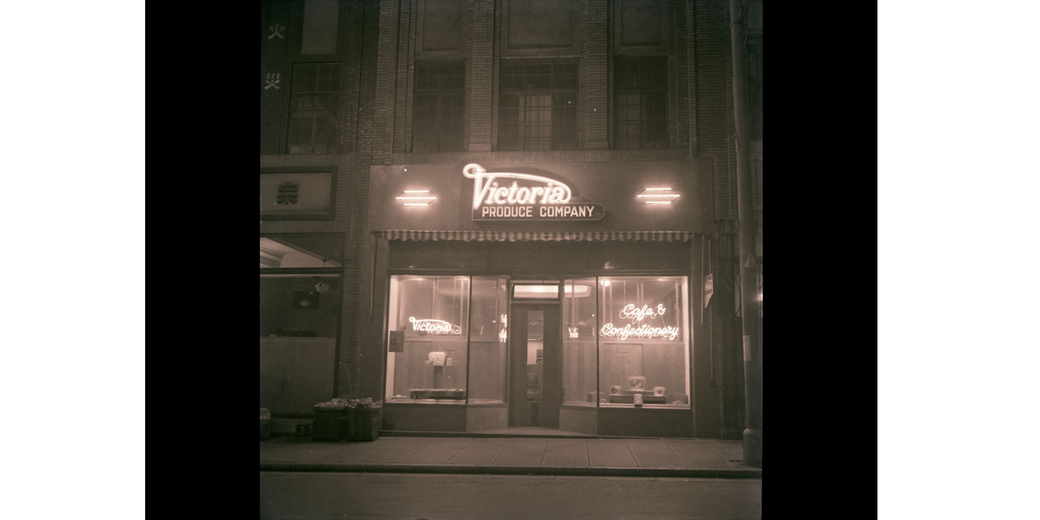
x,y
549,236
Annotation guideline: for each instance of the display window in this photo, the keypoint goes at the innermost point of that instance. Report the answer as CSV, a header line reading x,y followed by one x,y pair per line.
x,y
579,342
625,340
487,340
427,339
644,353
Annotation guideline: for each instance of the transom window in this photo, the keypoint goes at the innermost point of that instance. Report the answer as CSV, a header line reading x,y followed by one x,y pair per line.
x,y
538,105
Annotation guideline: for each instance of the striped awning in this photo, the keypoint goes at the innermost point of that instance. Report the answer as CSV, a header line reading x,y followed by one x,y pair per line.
x,y
549,236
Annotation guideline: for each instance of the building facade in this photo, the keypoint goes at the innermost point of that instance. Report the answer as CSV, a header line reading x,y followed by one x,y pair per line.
x,y
498,213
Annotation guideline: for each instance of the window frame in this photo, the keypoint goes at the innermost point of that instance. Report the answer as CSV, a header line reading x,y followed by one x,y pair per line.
x,y
658,88
294,94
525,143
439,123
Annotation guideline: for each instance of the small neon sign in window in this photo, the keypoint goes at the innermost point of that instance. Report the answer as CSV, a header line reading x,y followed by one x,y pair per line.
x,y
643,330
434,327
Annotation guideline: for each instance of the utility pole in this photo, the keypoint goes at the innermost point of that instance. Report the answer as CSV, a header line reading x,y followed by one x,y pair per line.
x,y
748,229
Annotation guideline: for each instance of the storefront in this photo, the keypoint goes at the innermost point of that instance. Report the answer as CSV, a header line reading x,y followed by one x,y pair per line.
x,y
553,295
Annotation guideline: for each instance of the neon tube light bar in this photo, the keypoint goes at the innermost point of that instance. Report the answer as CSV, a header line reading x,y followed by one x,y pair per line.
x,y
667,195
415,200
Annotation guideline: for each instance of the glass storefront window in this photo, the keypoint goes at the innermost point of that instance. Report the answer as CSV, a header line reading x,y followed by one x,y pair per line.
x,y
427,339
300,310
579,342
644,341
487,342
625,339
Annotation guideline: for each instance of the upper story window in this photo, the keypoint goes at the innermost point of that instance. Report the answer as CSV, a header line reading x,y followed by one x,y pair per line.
x,y
538,105
439,106
640,102
320,21
314,108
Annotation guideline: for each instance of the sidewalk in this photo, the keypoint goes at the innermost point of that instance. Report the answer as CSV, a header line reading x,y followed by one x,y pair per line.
x,y
687,458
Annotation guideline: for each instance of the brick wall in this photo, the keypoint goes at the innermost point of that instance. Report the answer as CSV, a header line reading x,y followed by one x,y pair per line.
x,y
714,107
593,74
480,73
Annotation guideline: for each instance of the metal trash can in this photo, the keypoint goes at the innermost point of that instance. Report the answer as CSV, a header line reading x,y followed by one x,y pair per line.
x,y
327,424
364,424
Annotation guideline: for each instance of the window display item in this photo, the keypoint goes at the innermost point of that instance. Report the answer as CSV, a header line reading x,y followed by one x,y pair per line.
x,y
615,389
638,399
437,358
636,382
658,390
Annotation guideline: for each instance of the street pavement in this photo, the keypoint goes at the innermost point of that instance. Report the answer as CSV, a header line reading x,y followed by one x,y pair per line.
x,y
320,496
710,458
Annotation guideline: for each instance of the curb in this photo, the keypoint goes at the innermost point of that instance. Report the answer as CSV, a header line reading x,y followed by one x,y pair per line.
x,y
574,471
403,433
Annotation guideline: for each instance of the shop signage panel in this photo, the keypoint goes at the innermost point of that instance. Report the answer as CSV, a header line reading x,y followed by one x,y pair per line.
x,y
512,196
297,194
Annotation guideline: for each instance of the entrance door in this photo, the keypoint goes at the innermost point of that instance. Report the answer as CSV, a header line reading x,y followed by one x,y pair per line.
x,y
535,366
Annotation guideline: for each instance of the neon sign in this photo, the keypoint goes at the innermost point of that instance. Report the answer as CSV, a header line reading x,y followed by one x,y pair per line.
x,y
644,330
539,198
630,312
434,327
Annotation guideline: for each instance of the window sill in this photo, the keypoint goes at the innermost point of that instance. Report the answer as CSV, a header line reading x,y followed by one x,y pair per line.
x,y
454,402
646,406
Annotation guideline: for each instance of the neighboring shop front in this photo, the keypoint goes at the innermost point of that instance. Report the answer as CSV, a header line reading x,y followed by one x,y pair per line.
x,y
556,295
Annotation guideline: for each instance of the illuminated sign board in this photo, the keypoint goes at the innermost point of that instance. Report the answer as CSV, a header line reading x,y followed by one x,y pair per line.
x,y
644,330
434,327
524,196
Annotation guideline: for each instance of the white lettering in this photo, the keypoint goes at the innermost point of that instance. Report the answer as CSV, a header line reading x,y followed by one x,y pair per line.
x,y
642,331
500,195
485,188
630,312
435,326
